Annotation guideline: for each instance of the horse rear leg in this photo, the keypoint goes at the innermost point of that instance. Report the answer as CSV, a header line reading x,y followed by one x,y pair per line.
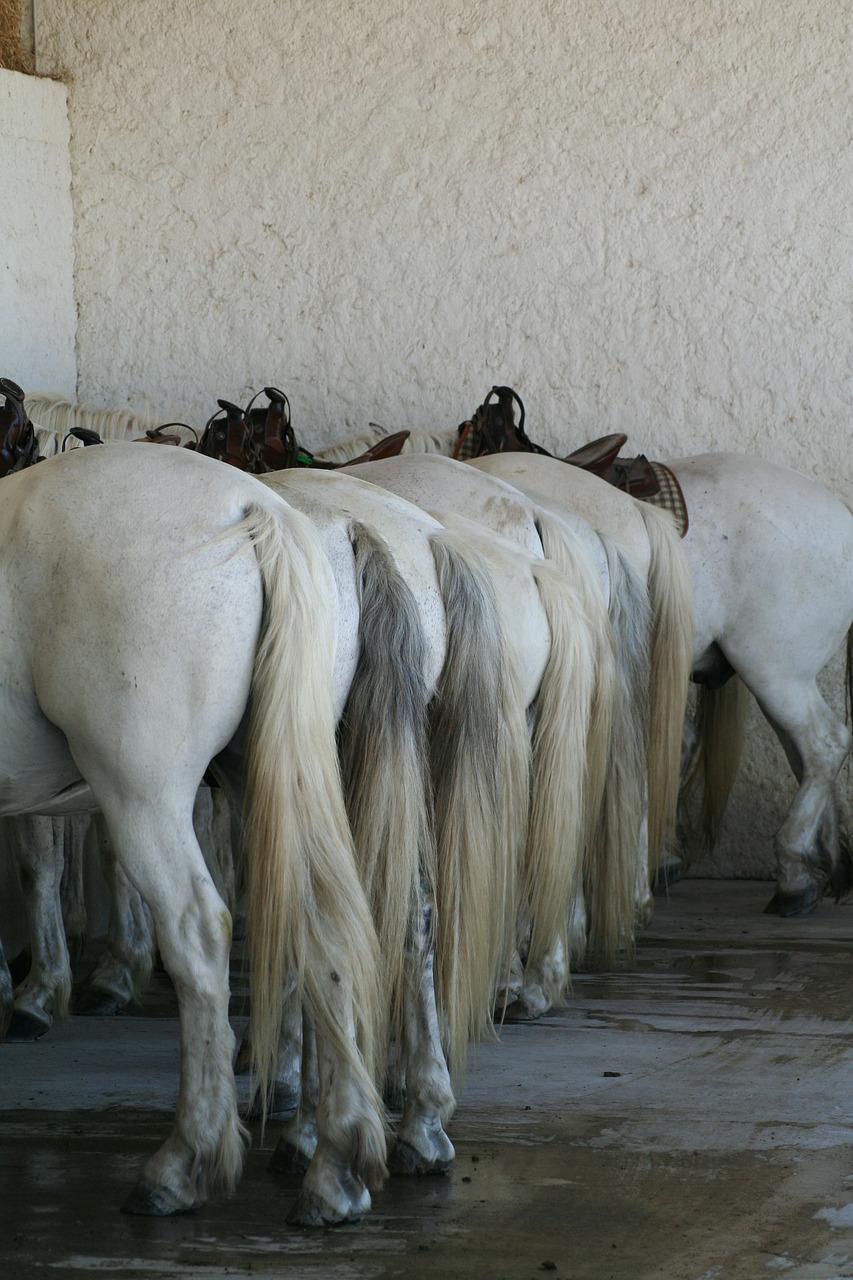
x,y
37,848
422,1146
298,1048
332,1136
124,968
349,1158
807,845
156,847
72,890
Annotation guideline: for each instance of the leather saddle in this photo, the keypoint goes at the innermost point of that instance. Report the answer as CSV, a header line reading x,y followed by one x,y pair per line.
x,y
272,443
636,476
493,429
18,444
226,438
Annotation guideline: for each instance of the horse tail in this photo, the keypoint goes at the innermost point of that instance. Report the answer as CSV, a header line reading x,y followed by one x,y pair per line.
x,y
384,752
307,914
671,596
622,887
480,766
563,789
615,782
720,720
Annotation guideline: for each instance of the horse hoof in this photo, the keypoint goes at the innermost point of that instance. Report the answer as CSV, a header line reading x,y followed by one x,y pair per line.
x,y
153,1202
311,1210
26,1026
95,1002
288,1159
405,1161
521,1011
793,904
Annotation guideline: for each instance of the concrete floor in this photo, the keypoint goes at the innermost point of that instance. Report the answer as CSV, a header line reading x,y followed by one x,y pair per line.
x,y
690,1120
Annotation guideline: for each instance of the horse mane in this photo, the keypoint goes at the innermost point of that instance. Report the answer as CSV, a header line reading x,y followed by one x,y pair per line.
x,y
51,413
58,415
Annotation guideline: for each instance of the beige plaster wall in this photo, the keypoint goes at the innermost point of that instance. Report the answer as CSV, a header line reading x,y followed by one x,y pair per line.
x,y
637,213
37,313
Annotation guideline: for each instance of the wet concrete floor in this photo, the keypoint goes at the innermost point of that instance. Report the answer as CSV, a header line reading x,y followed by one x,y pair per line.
x,y
689,1120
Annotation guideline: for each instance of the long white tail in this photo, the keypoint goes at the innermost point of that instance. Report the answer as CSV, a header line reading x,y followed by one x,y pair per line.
x,y
621,846
307,912
480,763
671,597
566,791
384,753
720,720
615,756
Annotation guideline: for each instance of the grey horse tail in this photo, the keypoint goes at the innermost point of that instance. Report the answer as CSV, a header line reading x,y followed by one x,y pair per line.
x,y
480,753
384,753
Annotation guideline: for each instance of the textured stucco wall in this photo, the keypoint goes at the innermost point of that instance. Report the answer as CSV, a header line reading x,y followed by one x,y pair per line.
x,y
37,314
639,214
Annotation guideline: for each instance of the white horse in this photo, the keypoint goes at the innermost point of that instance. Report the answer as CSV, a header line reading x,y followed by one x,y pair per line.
x,y
775,628
441,484
771,557
770,554
510,642
471,917
136,555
